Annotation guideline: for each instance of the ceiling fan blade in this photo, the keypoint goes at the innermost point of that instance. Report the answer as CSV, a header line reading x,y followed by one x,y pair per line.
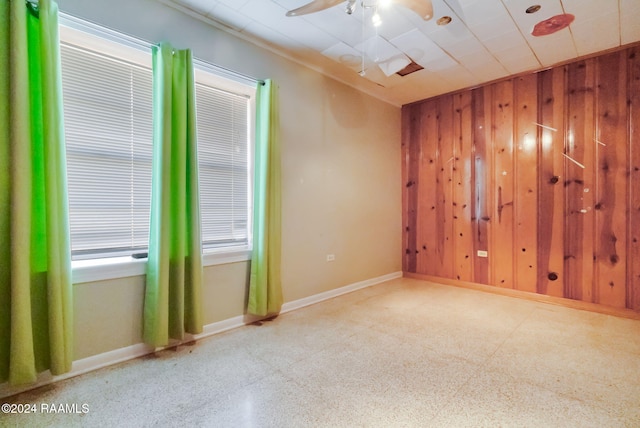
x,y
314,6
424,8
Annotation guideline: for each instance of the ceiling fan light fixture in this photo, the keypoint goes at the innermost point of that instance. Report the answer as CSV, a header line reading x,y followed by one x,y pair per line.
x,y
376,20
351,6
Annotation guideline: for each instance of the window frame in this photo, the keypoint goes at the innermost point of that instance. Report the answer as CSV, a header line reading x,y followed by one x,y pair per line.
x,y
97,38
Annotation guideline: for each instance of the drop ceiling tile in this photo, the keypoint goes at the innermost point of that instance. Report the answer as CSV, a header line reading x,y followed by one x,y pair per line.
x,y
294,27
200,6
596,34
375,74
483,67
335,22
234,4
454,4
493,27
423,51
341,52
377,48
520,65
456,31
507,41
482,11
630,6
488,74
526,21
443,63
393,23
585,11
267,13
393,64
477,59
346,55
459,6
459,76
549,49
553,48
630,27
466,47
439,9
271,36
517,60
229,17
389,58
287,4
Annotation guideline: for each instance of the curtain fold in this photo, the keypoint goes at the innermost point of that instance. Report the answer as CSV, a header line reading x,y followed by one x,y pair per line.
x,y
173,301
35,256
265,288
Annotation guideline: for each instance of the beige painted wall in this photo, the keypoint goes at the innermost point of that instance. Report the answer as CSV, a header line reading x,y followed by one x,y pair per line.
x,y
340,171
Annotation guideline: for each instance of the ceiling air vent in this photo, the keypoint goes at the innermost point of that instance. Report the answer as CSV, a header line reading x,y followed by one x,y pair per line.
x,y
411,68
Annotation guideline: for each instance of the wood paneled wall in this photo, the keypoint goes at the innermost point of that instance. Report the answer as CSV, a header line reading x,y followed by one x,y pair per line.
x,y
540,173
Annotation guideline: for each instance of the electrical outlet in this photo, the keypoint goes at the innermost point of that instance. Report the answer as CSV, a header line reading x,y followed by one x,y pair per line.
x,y
331,257
482,253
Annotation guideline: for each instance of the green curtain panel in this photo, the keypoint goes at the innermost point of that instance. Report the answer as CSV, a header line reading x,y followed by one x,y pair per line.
x,y
35,260
265,288
173,303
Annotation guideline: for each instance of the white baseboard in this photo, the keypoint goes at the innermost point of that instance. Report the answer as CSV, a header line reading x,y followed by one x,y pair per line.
x,y
138,350
316,298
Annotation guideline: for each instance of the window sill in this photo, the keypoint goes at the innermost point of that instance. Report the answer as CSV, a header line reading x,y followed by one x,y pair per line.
x,y
122,267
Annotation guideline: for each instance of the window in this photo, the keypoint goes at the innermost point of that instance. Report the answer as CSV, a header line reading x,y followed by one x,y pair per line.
x,y
107,96
108,131
223,162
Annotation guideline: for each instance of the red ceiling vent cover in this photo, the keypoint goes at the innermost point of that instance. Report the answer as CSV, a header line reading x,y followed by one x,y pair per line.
x,y
553,24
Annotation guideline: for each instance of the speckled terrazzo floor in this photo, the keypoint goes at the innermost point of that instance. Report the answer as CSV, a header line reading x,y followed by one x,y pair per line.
x,y
403,353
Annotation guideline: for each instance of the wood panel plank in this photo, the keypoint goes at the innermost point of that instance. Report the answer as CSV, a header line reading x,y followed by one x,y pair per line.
x,y
481,169
611,190
473,184
502,250
579,182
427,244
633,224
551,118
462,233
526,182
444,186
411,116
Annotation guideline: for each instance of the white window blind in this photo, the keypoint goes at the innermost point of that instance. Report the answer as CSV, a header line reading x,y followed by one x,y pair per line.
x,y
108,130
107,95
223,153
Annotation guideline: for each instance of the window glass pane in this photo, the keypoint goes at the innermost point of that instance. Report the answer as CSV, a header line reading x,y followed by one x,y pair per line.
x,y
223,134
108,130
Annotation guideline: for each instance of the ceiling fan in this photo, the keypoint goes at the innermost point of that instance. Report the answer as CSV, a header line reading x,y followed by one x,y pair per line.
x,y
424,8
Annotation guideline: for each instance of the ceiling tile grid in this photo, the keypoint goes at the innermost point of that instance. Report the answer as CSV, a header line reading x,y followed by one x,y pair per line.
x,y
485,40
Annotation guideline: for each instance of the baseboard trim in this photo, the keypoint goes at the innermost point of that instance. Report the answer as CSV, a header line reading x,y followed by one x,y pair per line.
x,y
121,355
317,298
542,298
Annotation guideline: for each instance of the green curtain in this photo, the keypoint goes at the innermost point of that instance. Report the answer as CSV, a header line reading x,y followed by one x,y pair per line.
x,y
35,260
265,288
173,303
